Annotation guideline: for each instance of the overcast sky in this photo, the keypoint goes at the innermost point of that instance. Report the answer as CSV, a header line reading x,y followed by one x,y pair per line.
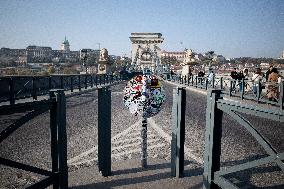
x,y
234,28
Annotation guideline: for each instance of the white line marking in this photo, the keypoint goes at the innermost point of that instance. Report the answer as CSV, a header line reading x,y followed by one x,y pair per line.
x,y
134,144
168,138
76,158
119,154
137,150
122,141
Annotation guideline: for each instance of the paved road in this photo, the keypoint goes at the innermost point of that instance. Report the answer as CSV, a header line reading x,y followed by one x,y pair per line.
x,y
30,144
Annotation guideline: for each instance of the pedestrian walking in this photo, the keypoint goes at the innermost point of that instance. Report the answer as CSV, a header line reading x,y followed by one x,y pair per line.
x,y
273,91
234,76
210,76
256,79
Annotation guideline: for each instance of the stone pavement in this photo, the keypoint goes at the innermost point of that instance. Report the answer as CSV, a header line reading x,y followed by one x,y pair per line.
x,y
128,174
126,167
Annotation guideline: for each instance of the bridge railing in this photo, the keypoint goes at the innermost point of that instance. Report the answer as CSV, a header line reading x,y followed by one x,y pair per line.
x,y
19,87
244,89
56,104
214,175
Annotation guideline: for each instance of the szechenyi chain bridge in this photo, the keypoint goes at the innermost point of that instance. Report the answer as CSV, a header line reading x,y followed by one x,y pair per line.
x,y
75,131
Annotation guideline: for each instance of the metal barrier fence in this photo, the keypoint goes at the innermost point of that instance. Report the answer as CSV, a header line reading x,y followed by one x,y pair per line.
x,y
214,176
58,176
20,87
244,89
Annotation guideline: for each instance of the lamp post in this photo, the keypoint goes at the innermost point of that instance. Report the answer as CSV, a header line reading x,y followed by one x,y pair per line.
x,y
99,46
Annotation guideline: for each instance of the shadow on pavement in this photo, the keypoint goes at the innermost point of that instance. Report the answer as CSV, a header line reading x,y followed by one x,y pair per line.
x,y
137,177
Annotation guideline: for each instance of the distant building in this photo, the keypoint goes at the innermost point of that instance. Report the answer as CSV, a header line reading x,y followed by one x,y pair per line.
x,y
179,55
89,55
65,46
282,56
40,54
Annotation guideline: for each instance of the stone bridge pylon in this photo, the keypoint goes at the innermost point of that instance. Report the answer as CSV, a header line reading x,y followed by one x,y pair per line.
x,y
145,51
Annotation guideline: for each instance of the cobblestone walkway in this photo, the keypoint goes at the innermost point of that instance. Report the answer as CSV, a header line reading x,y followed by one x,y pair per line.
x,y
127,145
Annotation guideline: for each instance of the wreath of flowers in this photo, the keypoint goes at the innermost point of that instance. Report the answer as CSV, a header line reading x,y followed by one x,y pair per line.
x,y
144,95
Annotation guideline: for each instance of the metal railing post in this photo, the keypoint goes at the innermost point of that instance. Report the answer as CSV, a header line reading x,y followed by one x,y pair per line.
x,y
72,83
281,95
104,131
86,81
221,83
92,82
59,138
178,132
243,88
61,82
213,135
54,136
49,83
34,88
79,82
206,84
12,91
62,138
231,88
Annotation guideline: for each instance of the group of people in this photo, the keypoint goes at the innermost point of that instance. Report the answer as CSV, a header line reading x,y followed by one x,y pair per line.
x,y
271,77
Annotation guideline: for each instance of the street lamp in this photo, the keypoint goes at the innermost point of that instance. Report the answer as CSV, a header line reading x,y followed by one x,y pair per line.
x,y
99,46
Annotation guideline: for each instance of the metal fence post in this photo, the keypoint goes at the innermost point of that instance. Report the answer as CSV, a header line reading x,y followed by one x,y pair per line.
x,y
221,83
79,82
178,132
243,88
213,135
61,82
100,79
96,80
92,82
34,88
54,137
49,83
231,87
72,83
12,91
206,84
281,95
59,138
86,81
62,138
213,81
104,131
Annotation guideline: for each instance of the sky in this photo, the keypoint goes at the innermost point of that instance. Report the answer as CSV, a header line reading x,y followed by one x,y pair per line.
x,y
232,28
